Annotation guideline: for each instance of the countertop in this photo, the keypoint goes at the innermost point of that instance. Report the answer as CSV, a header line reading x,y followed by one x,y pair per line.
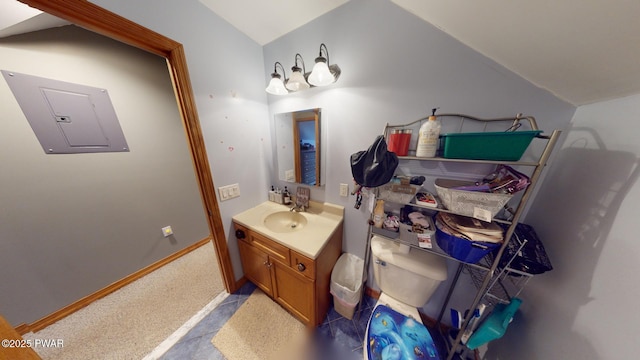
x,y
322,221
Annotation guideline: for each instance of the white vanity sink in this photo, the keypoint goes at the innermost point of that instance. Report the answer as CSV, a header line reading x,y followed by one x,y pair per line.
x,y
306,232
285,221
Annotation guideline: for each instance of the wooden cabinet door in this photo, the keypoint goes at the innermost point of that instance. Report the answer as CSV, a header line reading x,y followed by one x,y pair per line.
x,y
295,292
256,266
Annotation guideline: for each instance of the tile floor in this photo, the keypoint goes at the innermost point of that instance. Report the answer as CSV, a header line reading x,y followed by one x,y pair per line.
x,y
342,335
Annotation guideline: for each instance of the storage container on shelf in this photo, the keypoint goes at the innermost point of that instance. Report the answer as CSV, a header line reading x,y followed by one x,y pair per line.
x,y
425,198
423,239
398,193
465,202
501,146
462,249
399,141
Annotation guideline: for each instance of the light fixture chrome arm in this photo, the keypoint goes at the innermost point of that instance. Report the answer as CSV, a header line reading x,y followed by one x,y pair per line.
x,y
326,51
304,70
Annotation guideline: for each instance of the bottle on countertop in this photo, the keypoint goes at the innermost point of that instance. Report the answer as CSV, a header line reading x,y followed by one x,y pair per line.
x,y
429,136
286,196
278,196
272,194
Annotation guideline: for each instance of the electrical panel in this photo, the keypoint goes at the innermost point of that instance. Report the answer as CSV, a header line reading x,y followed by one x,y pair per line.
x,y
67,117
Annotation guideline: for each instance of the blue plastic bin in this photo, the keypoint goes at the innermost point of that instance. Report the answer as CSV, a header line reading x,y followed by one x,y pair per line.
x,y
462,249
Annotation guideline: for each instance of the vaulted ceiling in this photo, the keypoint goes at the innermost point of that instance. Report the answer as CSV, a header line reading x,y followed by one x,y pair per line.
x,y
582,51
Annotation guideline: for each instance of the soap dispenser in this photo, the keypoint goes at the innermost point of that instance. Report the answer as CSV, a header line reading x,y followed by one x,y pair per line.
x,y
428,138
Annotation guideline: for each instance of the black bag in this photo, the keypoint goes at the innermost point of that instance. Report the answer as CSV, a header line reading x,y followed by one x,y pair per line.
x,y
532,259
375,166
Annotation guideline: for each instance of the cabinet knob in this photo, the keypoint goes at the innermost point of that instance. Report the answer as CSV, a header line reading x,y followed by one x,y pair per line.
x,y
267,264
301,267
240,234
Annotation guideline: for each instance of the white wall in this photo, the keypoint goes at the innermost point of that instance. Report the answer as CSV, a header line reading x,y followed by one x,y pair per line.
x,y
395,68
587,215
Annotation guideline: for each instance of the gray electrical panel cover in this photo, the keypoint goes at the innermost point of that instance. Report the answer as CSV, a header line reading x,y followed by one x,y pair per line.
x,y
66,117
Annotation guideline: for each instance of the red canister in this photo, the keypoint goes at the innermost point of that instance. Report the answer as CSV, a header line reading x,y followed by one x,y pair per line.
x,y
395,139
405,139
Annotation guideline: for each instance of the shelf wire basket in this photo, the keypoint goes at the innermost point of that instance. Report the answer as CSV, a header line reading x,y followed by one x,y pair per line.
x,y
505,284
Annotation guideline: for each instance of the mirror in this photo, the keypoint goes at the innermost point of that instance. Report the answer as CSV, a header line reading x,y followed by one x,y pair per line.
x,y
298,147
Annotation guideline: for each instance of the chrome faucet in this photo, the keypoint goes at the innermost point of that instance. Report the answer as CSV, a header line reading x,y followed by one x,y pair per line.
x,y
298,208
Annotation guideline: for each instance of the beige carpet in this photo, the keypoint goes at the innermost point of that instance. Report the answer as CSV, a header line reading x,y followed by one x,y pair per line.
x,y
260,330
132,321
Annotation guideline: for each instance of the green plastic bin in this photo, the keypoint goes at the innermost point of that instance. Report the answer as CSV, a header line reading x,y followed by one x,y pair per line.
x,y
504,146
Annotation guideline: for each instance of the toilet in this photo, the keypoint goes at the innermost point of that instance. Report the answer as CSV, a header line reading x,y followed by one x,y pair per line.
x,y
407,278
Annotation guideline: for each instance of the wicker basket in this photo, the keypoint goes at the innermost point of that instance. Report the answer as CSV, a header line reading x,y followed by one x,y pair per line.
x,y
464,202
399,193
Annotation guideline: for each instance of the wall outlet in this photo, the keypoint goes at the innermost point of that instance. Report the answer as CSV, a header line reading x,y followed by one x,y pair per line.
x,y
167,231
344,189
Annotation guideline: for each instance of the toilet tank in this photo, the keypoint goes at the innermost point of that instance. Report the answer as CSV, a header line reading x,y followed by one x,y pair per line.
x,y
408,277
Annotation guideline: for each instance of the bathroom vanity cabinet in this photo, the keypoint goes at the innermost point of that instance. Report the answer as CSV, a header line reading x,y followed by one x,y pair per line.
x,y
297,282
486,274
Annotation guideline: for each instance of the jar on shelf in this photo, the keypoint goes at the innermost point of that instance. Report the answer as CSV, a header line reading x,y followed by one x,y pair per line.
x,y
399,140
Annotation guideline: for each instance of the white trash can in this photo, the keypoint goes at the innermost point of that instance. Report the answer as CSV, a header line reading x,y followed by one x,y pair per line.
x,y
346,284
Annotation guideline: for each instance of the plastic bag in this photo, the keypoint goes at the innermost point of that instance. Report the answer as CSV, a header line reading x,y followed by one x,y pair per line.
x,y
506,180
346,278
375,166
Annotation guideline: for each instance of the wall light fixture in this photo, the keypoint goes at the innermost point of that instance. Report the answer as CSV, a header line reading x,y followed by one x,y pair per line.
x,y
323,74
276,85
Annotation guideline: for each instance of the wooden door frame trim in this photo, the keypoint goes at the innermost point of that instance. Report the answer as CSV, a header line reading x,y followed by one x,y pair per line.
x,y
99,20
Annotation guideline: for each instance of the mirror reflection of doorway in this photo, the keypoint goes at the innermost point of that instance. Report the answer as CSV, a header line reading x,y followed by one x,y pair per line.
x,y
306,133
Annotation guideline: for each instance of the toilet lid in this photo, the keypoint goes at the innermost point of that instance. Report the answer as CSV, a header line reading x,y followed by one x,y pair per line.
x,y
394,336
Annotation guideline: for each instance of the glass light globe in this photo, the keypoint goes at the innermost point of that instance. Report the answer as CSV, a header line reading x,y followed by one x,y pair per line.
x,y
276,87
321,76
297,82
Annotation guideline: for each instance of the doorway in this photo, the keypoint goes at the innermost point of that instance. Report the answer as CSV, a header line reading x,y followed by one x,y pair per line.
x,y
101,21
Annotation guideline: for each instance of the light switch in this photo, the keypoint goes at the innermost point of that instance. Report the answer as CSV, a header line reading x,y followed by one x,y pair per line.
x,y
229,191
344,189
